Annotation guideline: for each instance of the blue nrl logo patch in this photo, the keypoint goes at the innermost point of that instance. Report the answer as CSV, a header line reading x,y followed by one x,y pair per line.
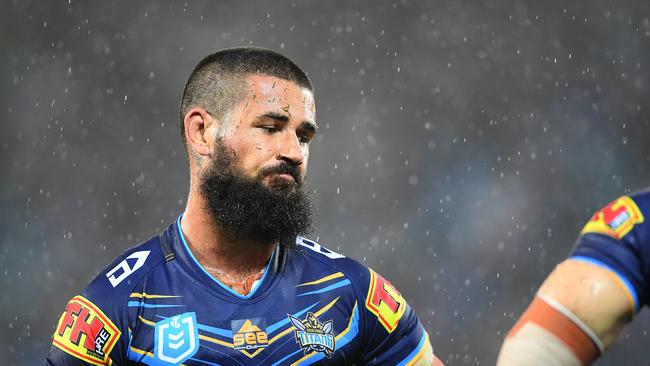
x,y
314,336
177,338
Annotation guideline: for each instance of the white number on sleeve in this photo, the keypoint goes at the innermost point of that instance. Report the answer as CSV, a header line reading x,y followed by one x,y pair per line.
x,y
317,248
140,257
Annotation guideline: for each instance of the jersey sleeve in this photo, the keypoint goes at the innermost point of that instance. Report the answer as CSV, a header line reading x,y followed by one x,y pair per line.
x,y
393,333
86,334
616,238
94,327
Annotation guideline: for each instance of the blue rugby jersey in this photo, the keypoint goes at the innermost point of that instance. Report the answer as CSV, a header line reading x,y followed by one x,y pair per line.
x,y
617,238
156,305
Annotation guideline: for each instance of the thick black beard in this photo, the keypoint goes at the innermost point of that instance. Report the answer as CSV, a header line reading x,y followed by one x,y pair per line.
x,y
248,209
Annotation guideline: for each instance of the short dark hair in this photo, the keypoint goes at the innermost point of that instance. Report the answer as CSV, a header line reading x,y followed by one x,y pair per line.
x,y
217,82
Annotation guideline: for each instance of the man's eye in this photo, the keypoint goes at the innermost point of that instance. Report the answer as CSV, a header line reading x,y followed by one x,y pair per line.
x,y
304,139
269,129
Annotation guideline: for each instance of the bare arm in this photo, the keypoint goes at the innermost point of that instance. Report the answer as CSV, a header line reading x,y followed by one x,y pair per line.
x,y
594,294
577,313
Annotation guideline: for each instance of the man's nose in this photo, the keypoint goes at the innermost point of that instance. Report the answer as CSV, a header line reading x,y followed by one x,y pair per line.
x,y
291,150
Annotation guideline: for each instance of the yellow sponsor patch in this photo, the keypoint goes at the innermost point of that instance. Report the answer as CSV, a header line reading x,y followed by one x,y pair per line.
x,y
248,336
616,219
385,302
86,333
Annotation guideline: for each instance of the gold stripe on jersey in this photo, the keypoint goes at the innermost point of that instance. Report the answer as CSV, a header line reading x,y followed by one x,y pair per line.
x,y
324,279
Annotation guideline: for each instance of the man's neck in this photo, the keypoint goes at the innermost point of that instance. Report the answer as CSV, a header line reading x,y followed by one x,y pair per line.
x,y
235,262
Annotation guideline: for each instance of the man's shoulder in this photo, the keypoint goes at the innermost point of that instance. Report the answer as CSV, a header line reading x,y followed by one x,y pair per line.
x,y
100,310
642,199
622,218
128,269
319,255
381,303
319,258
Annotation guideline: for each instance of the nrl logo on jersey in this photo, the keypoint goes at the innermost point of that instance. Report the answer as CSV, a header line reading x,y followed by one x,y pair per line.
x,y
314,336
176,339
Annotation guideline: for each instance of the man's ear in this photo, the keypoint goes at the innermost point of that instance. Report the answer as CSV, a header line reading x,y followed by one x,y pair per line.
x,y
196,124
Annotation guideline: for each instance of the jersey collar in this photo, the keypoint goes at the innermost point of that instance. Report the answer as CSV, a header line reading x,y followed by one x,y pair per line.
x,y
189,262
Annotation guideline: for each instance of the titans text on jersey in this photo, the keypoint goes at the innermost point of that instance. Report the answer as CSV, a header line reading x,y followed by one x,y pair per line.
x,y
156,305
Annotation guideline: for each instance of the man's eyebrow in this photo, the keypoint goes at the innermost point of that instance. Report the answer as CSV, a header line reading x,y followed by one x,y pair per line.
x,y
311,126
276,116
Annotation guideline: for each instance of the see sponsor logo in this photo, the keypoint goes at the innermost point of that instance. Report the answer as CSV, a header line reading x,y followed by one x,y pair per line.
x,y
85,332
249,336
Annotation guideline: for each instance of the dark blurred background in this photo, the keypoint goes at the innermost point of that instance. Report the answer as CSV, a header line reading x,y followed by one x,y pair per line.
x,y
463,144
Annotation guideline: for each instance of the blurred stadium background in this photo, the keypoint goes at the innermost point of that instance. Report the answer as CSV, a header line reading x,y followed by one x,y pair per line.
x,y
463,144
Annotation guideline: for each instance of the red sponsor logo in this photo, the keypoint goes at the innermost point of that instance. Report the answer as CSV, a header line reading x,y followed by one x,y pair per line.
x,y
85,332
616,219
385,302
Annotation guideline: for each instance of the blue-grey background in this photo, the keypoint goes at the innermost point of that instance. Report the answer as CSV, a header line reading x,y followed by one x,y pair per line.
x,y
463,143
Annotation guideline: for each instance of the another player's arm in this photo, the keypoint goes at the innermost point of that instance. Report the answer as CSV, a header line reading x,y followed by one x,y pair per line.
x,y
577,313
586,301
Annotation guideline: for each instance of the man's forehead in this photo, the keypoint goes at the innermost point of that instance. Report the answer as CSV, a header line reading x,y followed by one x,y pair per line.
x,y
267,84
275,94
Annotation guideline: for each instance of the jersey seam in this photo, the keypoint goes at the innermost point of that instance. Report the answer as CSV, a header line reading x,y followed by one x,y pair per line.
x,y
126,298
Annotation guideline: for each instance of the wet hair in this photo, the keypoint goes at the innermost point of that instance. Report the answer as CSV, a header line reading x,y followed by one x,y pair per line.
x,y
218,81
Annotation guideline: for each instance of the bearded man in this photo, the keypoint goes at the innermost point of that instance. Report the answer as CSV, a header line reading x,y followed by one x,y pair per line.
x,y
232,281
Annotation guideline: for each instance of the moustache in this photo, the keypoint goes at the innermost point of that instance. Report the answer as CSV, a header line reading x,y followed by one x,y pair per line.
x,y
284,168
